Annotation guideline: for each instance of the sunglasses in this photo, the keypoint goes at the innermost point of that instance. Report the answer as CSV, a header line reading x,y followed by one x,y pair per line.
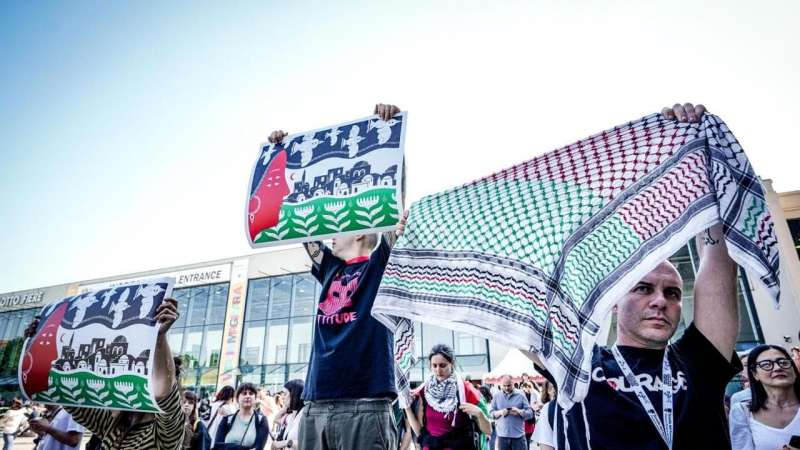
x,y
767,365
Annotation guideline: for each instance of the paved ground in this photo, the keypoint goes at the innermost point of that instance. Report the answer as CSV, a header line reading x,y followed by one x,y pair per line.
x,y
26,443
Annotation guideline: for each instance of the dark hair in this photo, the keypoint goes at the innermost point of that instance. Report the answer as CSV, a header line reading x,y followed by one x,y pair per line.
x,y
758,395
178,368
295,388
443,350
545,395
224,394
486,393
192,397
249,387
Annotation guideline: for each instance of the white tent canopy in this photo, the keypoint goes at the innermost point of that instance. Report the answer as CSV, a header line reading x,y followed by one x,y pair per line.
x,y
515,364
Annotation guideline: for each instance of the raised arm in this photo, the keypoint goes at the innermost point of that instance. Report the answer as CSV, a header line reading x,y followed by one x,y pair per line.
x,y
314,250
716,309
164,368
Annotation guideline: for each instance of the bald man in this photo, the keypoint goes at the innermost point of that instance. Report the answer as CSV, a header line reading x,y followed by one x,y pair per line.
x,y
626,407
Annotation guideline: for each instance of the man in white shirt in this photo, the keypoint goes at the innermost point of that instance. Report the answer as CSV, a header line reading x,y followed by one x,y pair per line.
x,y
57,430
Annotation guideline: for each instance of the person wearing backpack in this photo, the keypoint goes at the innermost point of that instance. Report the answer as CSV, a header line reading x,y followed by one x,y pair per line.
x,y
450,414
247,428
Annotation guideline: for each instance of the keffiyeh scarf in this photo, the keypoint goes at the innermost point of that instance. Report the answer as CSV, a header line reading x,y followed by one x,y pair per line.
x,y
535,256
443,395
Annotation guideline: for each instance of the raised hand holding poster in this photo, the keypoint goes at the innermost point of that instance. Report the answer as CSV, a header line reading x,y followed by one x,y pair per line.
x,y
341,179
95,350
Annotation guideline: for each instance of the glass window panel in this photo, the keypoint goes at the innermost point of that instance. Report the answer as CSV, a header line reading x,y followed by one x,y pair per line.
x,y
19,326
199,306
747,332
182,296
418,339
685,261
212,347
280,297
300,349
304,298
298,371
208,379
277,337
11,327
175,339
467,344
275,377
472,367
794,230
252,377
257,299
417,374
433,335
192,345
189,377
218,304
3,322
253,344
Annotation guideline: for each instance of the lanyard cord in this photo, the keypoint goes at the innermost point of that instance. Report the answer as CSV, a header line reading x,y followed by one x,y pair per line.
x,y
666,427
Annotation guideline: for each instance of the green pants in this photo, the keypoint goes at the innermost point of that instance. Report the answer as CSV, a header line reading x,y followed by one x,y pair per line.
x,y
348,425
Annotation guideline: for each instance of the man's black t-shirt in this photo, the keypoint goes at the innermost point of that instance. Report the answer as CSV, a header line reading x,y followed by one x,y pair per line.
x,y
616,419
352,356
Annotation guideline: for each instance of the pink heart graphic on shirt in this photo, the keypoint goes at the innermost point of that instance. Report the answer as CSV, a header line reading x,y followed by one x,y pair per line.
x,y
339,296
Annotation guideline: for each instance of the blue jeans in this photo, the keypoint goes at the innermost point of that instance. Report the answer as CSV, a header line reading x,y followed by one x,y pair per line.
x,y
512,443
8,441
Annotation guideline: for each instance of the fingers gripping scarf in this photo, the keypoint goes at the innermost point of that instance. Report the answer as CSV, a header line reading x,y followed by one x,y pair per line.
x,y
535,256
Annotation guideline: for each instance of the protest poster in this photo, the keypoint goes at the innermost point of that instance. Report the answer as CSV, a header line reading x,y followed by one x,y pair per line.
x,y
342,179
96,350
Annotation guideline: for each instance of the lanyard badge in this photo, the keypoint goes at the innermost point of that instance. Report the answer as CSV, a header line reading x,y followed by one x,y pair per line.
x,y
666,426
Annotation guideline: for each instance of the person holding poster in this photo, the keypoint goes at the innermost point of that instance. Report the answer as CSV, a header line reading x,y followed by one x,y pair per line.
x,y
349,341
125,430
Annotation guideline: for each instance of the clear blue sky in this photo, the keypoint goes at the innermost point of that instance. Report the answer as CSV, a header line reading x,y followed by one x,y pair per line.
x,y
128,129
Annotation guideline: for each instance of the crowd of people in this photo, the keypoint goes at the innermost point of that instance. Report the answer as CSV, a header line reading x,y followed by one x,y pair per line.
x,y
647,391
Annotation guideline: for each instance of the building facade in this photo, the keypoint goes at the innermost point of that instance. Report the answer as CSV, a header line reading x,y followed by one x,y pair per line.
x,y
251,318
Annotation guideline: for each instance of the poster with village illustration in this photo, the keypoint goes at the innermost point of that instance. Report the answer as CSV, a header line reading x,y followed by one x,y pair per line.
x,y
336,180
96,349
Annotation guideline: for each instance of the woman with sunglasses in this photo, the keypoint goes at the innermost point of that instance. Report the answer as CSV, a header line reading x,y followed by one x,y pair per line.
x,y
450,410
771,417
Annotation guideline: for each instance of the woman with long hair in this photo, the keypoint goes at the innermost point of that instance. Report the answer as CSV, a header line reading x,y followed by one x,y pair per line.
x,y
245,429
196,434
772,415
543,433
223,405
448,408
289,415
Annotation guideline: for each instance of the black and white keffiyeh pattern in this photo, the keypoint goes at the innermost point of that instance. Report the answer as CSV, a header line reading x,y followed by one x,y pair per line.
x,y
442,395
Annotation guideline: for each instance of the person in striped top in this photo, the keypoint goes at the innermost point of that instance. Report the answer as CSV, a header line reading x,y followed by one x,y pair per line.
x,y
124,430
